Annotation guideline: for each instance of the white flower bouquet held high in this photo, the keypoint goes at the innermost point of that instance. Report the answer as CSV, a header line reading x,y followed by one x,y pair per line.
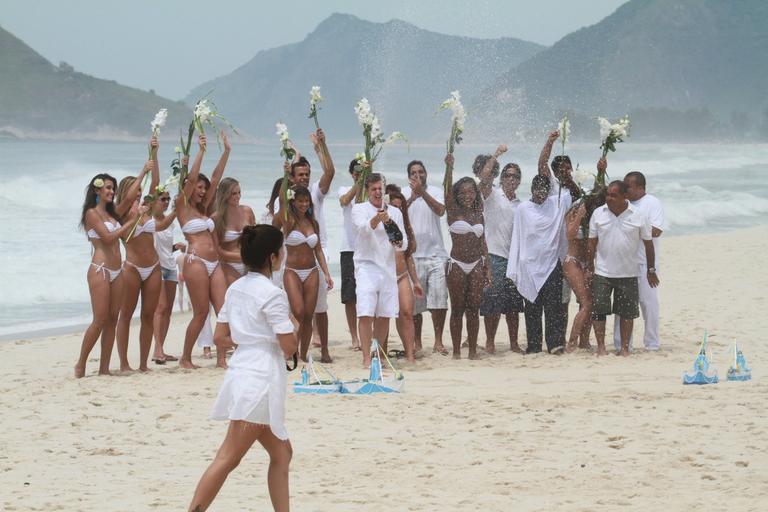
x,y
374,142
206,113
564,127
314,100
612,133
458,117
288,152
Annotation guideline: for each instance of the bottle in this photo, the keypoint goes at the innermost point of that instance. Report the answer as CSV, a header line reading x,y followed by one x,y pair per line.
x,y
393,232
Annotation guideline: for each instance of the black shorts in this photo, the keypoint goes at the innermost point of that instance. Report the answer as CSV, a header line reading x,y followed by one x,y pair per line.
x,y
348,285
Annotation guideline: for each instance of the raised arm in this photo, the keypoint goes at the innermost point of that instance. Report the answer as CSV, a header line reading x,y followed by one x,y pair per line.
x,y
194,171
449,161
218,171
321,148
129,197
156,168
486,173
544,169
347,198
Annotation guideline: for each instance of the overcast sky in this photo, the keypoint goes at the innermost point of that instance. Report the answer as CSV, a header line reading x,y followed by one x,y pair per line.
x,y
174,45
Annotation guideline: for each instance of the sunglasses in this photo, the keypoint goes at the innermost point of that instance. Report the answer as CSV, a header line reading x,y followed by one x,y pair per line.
x,y
165,199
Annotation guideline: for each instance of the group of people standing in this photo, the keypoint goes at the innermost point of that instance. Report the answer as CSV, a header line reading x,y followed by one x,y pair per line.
x,y
507,256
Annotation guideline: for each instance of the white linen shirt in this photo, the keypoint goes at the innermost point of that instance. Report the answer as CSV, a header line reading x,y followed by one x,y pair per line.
x,y
426,224
318,200
373,244
256,310
538,241
164,247
349,233
618,238
651,207
499,212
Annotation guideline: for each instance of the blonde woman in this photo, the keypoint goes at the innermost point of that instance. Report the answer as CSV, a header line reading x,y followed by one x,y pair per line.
x,y
141,271
206,283
102,223
229,219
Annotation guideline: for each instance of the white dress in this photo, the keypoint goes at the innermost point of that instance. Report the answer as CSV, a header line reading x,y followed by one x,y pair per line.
x,y
254,384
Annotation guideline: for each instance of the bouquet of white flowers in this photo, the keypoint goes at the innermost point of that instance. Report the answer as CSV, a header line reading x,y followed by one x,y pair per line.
x,y
288,152
206,113
374,142
158,122
458,116
564,127
612,133
314,100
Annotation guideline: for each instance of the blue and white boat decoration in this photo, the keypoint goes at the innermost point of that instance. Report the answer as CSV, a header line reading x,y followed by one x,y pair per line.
x,y
376,382
319,386
739,370
701,373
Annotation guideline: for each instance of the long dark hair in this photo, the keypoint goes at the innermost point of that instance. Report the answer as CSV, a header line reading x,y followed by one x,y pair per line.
x,y
477,204
396,194
91,195
301,191
273,197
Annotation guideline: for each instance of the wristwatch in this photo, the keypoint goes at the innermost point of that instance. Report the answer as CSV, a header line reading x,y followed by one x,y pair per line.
x,y
651,270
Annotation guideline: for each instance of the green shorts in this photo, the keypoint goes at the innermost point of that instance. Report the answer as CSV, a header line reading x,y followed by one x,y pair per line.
x,y
626,297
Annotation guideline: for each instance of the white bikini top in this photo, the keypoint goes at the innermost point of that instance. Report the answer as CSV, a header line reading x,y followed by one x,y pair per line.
x,y
296,237
230,236
147,227
110,227
461,227
197,225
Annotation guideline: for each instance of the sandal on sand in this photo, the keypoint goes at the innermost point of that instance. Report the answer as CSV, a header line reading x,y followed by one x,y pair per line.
x,y
171,358
397,354
159,361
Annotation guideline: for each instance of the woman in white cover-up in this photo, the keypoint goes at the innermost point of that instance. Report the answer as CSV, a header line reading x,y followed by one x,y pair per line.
x,y
252,397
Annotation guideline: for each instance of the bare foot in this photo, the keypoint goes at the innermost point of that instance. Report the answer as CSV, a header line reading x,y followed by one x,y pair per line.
x,y
417,345
490,348
79,371
105,373
570,347
623,352
514,347
457,355
473,355
601,351
126,368
187,364
585,346
143,369
326,358
222,364
367,363
440,349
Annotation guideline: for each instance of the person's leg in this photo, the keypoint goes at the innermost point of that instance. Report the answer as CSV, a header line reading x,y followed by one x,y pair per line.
x,y
601,307
150,295
218,288
625,306
420,304
116,291
321,320
457,292
575,276
533,330
239,439
649,306
280,455
491,323
404,321
490,303
365,330
132,286
513,327
163,317
437,300
351,315
99,288
417,323
321,317
198,289
552,300
381,329
348,297
474,290
626,329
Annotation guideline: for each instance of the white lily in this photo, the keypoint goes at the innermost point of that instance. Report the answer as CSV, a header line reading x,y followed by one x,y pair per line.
x,y
159,120
282,131
314,95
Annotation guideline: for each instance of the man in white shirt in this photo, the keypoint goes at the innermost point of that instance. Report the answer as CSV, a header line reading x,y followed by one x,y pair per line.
x,y
346,257
375,266
499,207
651,207
300,173
536,251
426,204
616,231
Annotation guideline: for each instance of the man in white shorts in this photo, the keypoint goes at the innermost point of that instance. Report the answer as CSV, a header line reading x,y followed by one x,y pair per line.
x,y
651,207
300,172
426,204
375,268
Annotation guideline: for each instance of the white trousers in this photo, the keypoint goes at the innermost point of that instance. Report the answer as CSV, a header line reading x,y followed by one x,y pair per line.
x,y
649,308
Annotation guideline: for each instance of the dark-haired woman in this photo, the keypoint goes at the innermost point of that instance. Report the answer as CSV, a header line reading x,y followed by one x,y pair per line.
x,y
206,283
408,285
468,271
102,224
141,271
267,216
229,218
304,252
252,397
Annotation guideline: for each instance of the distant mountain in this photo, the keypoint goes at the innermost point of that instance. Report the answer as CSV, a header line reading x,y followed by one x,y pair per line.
x,y
39,99
663,59
404,71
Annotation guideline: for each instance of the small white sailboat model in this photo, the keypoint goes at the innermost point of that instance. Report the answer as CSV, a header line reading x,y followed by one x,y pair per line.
x,y
701,372
319,386
376,382
739,370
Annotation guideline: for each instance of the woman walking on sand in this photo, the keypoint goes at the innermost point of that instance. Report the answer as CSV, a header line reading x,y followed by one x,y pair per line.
x,y
252,397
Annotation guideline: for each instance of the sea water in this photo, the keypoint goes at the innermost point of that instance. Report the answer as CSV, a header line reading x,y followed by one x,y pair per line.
x,y
45,255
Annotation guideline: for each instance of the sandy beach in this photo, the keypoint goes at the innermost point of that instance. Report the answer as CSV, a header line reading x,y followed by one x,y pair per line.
x,y
534,433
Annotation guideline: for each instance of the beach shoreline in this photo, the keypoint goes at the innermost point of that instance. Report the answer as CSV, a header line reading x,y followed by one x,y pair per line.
x,y
529,433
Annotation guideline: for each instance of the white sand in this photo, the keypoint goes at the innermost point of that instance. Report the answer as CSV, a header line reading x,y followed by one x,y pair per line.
x,y
503,433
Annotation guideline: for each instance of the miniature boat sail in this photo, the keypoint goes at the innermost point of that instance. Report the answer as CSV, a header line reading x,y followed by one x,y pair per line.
x,y
701,372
